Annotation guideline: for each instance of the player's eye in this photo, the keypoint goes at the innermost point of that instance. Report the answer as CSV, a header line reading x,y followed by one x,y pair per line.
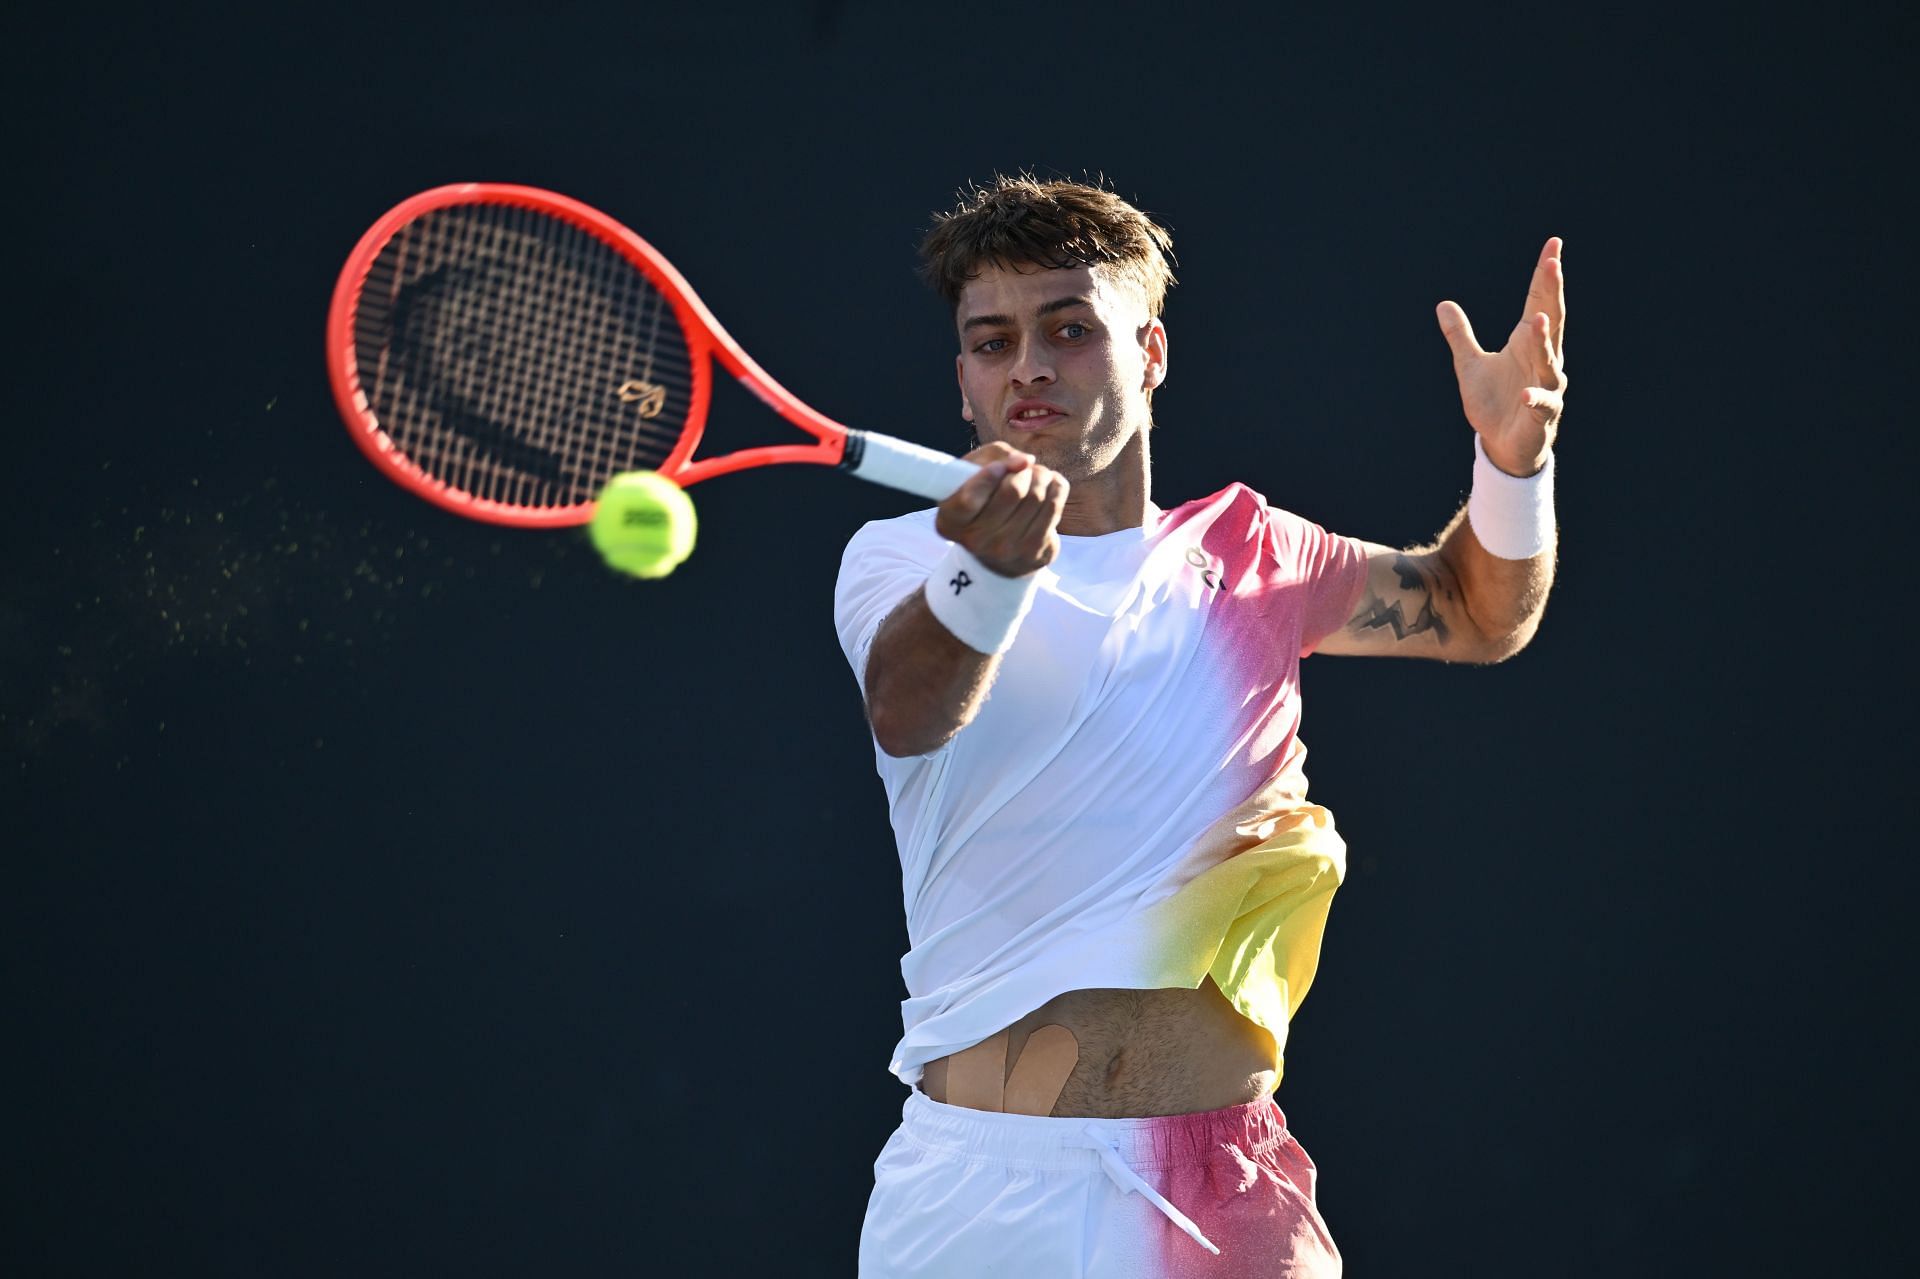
x,y
992,346
1073,332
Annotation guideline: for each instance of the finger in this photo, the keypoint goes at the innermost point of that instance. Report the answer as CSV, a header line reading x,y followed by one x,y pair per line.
x,y
1545,358
1459,333
1548,291
1049,547
999,536
1000,451
964,505
1558,311
1007,497
1545,405
1045,506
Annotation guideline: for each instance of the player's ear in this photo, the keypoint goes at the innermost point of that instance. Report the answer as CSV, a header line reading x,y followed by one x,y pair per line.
x,y
960,376
1153,340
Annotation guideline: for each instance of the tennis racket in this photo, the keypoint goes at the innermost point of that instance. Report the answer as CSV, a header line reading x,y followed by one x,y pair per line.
x,y
504,351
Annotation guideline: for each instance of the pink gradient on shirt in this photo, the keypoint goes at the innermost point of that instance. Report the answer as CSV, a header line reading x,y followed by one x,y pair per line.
x,y
1278,584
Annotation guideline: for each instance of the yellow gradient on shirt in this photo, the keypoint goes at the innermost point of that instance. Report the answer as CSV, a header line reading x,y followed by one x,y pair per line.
x,y
1254,921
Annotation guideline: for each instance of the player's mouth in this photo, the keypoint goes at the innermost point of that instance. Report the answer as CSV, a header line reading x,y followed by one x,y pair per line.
x,y
1031,415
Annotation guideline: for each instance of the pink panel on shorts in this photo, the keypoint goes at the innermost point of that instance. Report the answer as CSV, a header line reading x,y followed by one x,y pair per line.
x,y
1247,1184
960,1192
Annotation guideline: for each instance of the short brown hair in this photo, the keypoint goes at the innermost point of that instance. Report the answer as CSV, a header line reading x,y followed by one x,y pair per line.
x,y
1020,220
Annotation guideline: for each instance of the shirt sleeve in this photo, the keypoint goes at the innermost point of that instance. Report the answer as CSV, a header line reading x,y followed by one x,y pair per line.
x,y
1329,568
884,562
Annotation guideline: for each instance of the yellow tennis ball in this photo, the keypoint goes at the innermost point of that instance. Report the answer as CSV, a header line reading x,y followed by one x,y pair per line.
x,y
643,524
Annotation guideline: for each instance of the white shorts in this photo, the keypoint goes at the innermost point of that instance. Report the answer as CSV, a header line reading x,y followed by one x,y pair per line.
x,y
961,1192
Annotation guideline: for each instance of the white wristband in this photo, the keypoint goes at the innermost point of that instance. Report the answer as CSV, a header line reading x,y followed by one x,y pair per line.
x,y
980,607
1512,517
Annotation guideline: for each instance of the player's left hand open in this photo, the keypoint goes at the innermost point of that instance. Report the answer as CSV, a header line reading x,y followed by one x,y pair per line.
x,y
1513,397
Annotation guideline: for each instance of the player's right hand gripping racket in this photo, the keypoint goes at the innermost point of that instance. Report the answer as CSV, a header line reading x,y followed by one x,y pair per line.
x,y
504,351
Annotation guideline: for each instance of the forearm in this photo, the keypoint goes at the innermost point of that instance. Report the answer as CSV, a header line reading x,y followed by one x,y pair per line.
x,y
1502,599
923,685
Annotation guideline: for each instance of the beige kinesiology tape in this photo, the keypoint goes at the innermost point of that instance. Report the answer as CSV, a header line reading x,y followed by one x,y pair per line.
x,y
977,1076
1040,1073
978,1079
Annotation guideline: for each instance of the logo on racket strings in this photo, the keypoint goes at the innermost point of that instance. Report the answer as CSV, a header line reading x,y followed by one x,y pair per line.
x,y
650,396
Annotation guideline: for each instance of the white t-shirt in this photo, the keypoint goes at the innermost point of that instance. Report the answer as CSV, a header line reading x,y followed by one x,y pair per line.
x,y
1140,734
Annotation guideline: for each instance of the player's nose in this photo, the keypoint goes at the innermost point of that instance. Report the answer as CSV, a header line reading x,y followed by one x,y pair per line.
x,y
1032,364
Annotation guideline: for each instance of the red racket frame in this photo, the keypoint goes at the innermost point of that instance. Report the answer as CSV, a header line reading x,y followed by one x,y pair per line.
x,y
706,341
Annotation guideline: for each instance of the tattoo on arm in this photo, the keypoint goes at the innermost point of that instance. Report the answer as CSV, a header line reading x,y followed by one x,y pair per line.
x,y
1416,580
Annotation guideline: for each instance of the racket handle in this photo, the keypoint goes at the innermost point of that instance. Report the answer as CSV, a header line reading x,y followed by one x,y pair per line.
x,y
911,468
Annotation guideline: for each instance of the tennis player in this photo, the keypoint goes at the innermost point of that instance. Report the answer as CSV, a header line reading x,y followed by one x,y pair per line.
x,y
1086,709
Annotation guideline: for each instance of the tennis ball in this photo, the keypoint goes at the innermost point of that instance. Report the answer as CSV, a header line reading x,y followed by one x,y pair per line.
x,y
643,524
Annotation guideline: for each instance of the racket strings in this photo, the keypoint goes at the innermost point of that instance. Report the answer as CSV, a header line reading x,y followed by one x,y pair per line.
x,y
518,358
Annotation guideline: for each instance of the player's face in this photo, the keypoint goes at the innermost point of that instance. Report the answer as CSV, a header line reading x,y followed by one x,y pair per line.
x,y
1058,363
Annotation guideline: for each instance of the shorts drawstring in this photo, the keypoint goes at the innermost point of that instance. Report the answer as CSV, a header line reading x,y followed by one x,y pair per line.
x,y
1127,1179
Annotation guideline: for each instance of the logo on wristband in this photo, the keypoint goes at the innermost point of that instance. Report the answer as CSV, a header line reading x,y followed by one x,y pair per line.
x,y
960,582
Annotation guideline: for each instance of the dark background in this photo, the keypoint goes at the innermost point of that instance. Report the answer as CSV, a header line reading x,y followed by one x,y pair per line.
x,y
391,894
